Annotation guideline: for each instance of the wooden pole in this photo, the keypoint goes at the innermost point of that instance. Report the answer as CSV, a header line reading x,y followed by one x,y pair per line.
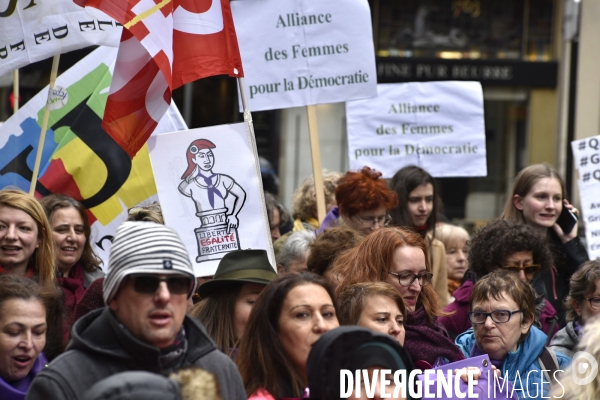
x,y
250,126
15,91
315,151
38,156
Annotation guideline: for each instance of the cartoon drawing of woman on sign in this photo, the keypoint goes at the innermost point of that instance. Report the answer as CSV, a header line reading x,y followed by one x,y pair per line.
x,y
218,222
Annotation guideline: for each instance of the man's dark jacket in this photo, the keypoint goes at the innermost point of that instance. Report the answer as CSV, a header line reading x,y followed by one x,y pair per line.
x,y
101,347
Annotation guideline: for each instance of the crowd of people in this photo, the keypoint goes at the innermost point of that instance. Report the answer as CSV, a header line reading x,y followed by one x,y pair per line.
x,y
382,283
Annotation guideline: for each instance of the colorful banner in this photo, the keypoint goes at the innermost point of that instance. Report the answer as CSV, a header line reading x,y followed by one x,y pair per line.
x,y
437,126
586,157
79,158
33,30
302,52
208,186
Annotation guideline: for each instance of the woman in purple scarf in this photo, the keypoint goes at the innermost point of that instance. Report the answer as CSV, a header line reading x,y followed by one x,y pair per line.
x,y
399,256
23,305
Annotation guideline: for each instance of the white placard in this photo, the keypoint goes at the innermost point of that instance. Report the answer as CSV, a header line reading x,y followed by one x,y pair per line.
x,y
437,126
208,189
33,30
301,52
586,157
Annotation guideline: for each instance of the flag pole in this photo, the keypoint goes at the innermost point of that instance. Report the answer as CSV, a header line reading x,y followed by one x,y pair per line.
x,y
15,91
250,126
315,152
38,156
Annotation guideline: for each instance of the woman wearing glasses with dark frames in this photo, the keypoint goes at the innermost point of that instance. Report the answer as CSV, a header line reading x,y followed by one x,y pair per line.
x,y
363,201
502,314
582,305
399,256
504,245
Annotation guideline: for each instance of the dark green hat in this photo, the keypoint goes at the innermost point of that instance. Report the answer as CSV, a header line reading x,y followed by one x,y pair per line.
x,y
240,266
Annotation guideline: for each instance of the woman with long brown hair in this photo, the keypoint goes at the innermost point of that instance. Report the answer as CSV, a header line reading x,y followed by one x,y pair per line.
x,y
289,316
537,199
399,256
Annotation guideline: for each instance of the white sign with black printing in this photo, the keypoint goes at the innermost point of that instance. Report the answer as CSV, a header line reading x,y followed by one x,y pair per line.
x,y
208,186
302,52
438,126
33,30
586,157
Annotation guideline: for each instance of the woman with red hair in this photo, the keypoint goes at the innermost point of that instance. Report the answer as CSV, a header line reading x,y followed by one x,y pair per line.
x,y
363,201
399,256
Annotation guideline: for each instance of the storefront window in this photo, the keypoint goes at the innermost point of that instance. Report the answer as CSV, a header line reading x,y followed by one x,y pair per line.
x,y
472,29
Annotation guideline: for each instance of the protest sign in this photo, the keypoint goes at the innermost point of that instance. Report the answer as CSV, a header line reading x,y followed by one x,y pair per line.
x,y
33,30
586,156
208,186
437,126
79,159
302,52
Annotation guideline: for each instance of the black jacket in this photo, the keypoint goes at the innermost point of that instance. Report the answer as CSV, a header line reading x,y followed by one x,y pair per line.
x,y
101,347
567,259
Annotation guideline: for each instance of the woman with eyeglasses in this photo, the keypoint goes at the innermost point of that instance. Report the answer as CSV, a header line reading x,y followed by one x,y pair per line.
x,y
399,257
363,202
538,199
503,245
582,305
418,207
502,314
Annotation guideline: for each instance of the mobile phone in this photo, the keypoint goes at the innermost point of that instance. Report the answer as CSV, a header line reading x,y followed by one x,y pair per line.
x,y
566,220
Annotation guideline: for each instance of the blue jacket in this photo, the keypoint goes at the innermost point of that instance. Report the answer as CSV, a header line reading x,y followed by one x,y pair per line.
x,y
523,360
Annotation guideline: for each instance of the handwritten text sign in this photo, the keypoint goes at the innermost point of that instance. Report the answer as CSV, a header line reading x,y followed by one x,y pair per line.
x,y
586,156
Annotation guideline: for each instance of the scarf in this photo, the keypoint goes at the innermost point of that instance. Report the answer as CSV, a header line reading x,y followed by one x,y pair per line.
x,y
73,290
453,285
428,342
299,225
420,228
29,272
212,190
171,356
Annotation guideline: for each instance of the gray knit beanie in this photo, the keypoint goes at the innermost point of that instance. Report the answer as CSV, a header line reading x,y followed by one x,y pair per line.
x,y
145,248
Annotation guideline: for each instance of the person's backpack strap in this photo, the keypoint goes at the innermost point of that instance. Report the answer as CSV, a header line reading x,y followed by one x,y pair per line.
x,y
553,322
549,362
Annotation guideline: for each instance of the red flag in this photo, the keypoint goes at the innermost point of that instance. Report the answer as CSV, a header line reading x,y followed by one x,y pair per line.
x,y
166,44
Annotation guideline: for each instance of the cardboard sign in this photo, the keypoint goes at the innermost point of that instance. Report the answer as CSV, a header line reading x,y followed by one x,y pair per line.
x,y
301,52
586,156
437,126
33,30
208,187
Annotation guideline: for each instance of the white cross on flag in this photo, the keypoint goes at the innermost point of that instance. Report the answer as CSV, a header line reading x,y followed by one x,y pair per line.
x,y
166,44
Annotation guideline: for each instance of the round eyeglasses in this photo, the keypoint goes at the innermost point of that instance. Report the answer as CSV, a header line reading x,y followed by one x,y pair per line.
x,y
528,269
594,303
383,220
498,316
407,278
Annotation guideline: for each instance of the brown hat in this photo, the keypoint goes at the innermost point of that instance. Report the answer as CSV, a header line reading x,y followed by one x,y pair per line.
x,y
245,266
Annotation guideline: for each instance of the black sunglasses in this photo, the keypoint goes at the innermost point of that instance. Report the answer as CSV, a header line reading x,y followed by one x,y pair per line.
x,y
148,284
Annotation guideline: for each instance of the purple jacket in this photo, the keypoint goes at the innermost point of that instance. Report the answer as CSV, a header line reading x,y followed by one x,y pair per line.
x,y
331,220
18,389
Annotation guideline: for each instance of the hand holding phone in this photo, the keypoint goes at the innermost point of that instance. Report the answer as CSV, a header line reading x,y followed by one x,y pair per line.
x,y
566,220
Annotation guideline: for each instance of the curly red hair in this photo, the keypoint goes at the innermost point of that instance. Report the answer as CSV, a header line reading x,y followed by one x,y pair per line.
x,y
363,190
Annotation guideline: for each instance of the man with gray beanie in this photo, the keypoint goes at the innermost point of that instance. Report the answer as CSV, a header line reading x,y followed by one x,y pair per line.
x,y
144,326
